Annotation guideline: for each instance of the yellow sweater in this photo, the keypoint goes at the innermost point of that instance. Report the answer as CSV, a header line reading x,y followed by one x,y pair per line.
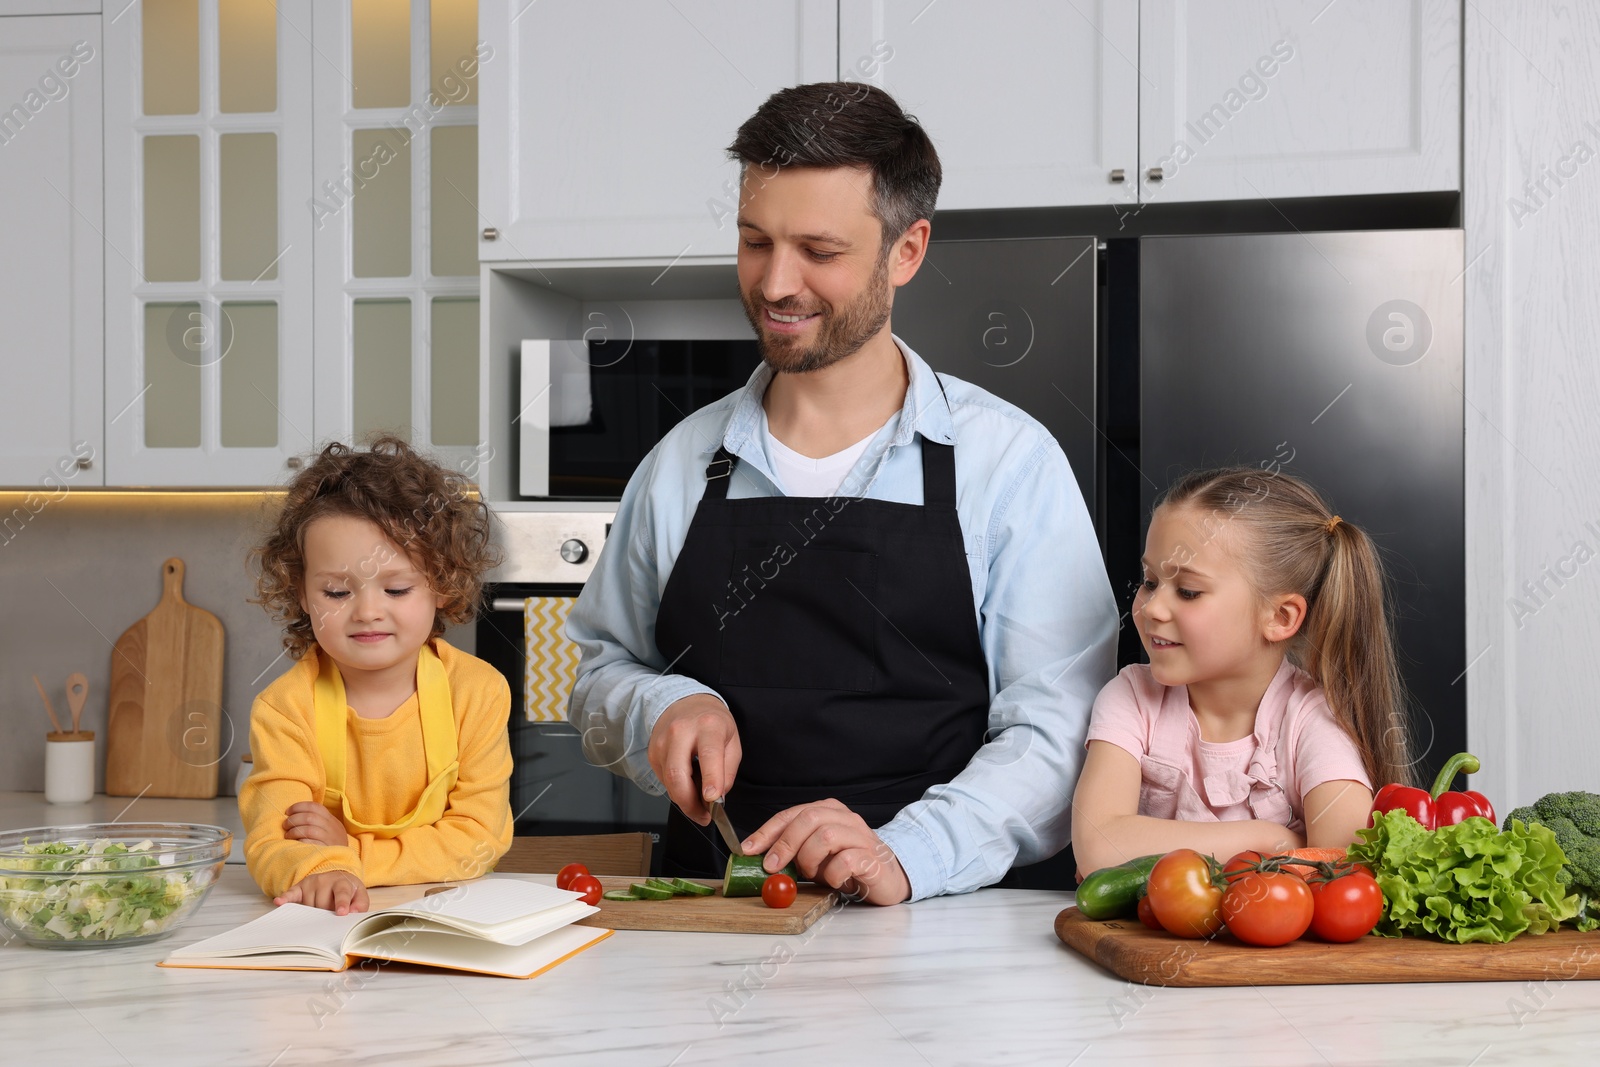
x,y
385,774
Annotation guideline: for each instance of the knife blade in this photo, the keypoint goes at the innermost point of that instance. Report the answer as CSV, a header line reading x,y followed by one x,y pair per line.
x,y
719,815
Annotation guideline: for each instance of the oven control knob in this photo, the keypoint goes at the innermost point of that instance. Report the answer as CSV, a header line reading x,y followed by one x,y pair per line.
x,y
574,551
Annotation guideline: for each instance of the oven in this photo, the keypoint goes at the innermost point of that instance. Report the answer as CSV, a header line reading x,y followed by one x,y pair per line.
x,y
548,555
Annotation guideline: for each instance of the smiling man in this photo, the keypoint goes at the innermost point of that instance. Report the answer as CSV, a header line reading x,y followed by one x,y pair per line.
x,y
861,601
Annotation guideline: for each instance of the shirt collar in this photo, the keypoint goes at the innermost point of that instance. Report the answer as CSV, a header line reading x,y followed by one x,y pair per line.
x,y
926,409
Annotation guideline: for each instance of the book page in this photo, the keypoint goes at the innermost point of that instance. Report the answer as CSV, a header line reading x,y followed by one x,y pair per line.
x,y
288,929
382,933
464,953
487,902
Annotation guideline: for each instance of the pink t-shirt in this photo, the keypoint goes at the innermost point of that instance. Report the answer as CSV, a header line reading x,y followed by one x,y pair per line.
x,y
1297,745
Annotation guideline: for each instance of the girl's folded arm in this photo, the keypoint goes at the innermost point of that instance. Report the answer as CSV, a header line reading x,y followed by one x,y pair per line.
x,y
1107,828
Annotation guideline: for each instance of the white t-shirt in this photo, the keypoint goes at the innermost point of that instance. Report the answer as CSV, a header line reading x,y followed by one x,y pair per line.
x,y
803,476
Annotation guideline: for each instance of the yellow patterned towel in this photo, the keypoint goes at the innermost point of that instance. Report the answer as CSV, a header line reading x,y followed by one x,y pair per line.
x,y
552,659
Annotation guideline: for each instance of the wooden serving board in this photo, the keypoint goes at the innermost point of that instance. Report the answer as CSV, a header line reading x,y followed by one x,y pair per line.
x,y
163,737
1126,948
714,914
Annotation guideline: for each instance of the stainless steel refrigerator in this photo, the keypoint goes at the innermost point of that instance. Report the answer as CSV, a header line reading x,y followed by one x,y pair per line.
x,y
1336,356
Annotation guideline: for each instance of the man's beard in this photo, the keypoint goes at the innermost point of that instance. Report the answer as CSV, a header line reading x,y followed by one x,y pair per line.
x,y
841,333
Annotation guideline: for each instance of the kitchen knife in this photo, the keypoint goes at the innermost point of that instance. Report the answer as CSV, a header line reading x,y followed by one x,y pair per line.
x,y
719,815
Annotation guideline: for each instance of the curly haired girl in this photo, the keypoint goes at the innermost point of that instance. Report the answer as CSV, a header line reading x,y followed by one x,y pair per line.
x,y
381,756
1271,703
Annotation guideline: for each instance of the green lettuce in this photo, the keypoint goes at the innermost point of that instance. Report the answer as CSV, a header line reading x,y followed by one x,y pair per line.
x,y
95,891
1467,882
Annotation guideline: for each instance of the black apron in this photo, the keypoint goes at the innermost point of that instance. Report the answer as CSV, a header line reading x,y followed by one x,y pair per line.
x,y
842,634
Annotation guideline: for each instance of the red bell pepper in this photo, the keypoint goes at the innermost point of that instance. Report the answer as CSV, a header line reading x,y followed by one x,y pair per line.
x,y
1434,807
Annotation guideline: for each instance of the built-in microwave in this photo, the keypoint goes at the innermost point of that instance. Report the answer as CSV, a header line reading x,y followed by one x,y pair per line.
x,y
590,409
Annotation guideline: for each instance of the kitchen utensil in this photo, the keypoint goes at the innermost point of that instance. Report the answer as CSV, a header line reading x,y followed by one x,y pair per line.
x,y
713,915
165,718
1131,951
59,900
77,694
719,815
48,707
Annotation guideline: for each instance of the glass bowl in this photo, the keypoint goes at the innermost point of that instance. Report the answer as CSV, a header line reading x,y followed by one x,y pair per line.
x,y
103,884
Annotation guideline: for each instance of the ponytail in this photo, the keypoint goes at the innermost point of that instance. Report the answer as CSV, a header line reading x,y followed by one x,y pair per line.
x,y
1293,543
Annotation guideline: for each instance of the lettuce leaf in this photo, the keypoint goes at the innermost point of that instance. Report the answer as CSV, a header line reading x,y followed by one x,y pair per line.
x,y
1467,882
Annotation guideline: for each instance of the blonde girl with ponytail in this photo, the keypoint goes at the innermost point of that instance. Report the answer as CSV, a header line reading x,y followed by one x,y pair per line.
x,y
1271,705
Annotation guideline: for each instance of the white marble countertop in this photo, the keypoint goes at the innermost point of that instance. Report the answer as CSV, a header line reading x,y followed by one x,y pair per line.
x,y
979,979
19,811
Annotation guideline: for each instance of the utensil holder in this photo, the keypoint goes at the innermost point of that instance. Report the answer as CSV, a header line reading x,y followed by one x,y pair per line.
x,y
69,767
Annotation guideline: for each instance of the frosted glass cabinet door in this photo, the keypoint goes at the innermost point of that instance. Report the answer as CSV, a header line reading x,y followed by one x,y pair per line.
x,y
1245,99
1032,103
208,338
604,135
51,300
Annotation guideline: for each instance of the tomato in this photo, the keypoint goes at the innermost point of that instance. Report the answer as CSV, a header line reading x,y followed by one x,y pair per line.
x,y
588,885
779,890
1240,865
1147,916
565,876
1182,895
1347,907
1267,908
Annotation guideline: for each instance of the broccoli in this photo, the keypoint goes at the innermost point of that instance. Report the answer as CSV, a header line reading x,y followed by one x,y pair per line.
x,y
1575,820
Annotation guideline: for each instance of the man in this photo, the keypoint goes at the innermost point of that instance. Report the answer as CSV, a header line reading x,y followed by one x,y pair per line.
x,y
861,601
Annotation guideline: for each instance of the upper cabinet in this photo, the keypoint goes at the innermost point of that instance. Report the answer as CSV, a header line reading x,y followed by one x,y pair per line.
x,y
605,127
208,242
50,277
1245,99
1031,103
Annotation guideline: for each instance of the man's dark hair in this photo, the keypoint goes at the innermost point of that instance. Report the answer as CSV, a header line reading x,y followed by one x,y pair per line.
x,y
845,124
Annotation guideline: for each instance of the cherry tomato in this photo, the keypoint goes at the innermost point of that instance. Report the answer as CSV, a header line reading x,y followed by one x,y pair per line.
x,y
779,890
1267,908
1182,895
588,885
1347,907
566,874
1147,916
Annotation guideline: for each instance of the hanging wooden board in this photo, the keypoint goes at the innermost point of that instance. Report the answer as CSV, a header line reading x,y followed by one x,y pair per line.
x,y
1130,950
163,738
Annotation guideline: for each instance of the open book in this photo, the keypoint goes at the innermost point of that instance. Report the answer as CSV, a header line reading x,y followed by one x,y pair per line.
x,y
498,926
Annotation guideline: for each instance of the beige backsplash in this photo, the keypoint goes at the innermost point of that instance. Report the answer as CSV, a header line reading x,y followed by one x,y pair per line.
x,y
85,568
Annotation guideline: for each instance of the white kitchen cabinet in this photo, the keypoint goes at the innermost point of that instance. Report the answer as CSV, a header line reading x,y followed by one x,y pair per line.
x,y
1245,99
51,298
208,353
605,126
1030,103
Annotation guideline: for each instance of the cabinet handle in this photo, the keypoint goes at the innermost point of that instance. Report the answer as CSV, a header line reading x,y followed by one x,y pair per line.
x,y
1119,175
293,463
490,233
1154,174
84,463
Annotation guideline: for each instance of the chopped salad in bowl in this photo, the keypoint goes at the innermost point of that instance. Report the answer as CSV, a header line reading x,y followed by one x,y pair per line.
x,y
104,884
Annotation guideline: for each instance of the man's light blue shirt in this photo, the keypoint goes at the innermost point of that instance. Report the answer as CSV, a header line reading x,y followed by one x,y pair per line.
x,y
1046,617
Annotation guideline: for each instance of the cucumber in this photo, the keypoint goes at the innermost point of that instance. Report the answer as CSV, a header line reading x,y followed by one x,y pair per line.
x,y
692,889
745,874
1114,892
669,884
649,892
619,894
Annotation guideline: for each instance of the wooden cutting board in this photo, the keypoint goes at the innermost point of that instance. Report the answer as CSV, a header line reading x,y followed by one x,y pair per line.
x,y
714,914
1126,948
163,738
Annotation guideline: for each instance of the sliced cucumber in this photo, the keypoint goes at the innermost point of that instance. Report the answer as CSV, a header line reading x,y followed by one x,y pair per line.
x,y
745,874
649,892
692,889
669,884
620,894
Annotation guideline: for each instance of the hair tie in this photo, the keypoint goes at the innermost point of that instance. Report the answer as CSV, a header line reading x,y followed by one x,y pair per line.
x,y
1333,522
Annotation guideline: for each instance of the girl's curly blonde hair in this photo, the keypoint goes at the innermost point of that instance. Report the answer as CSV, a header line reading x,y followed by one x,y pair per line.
x,y
426,510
